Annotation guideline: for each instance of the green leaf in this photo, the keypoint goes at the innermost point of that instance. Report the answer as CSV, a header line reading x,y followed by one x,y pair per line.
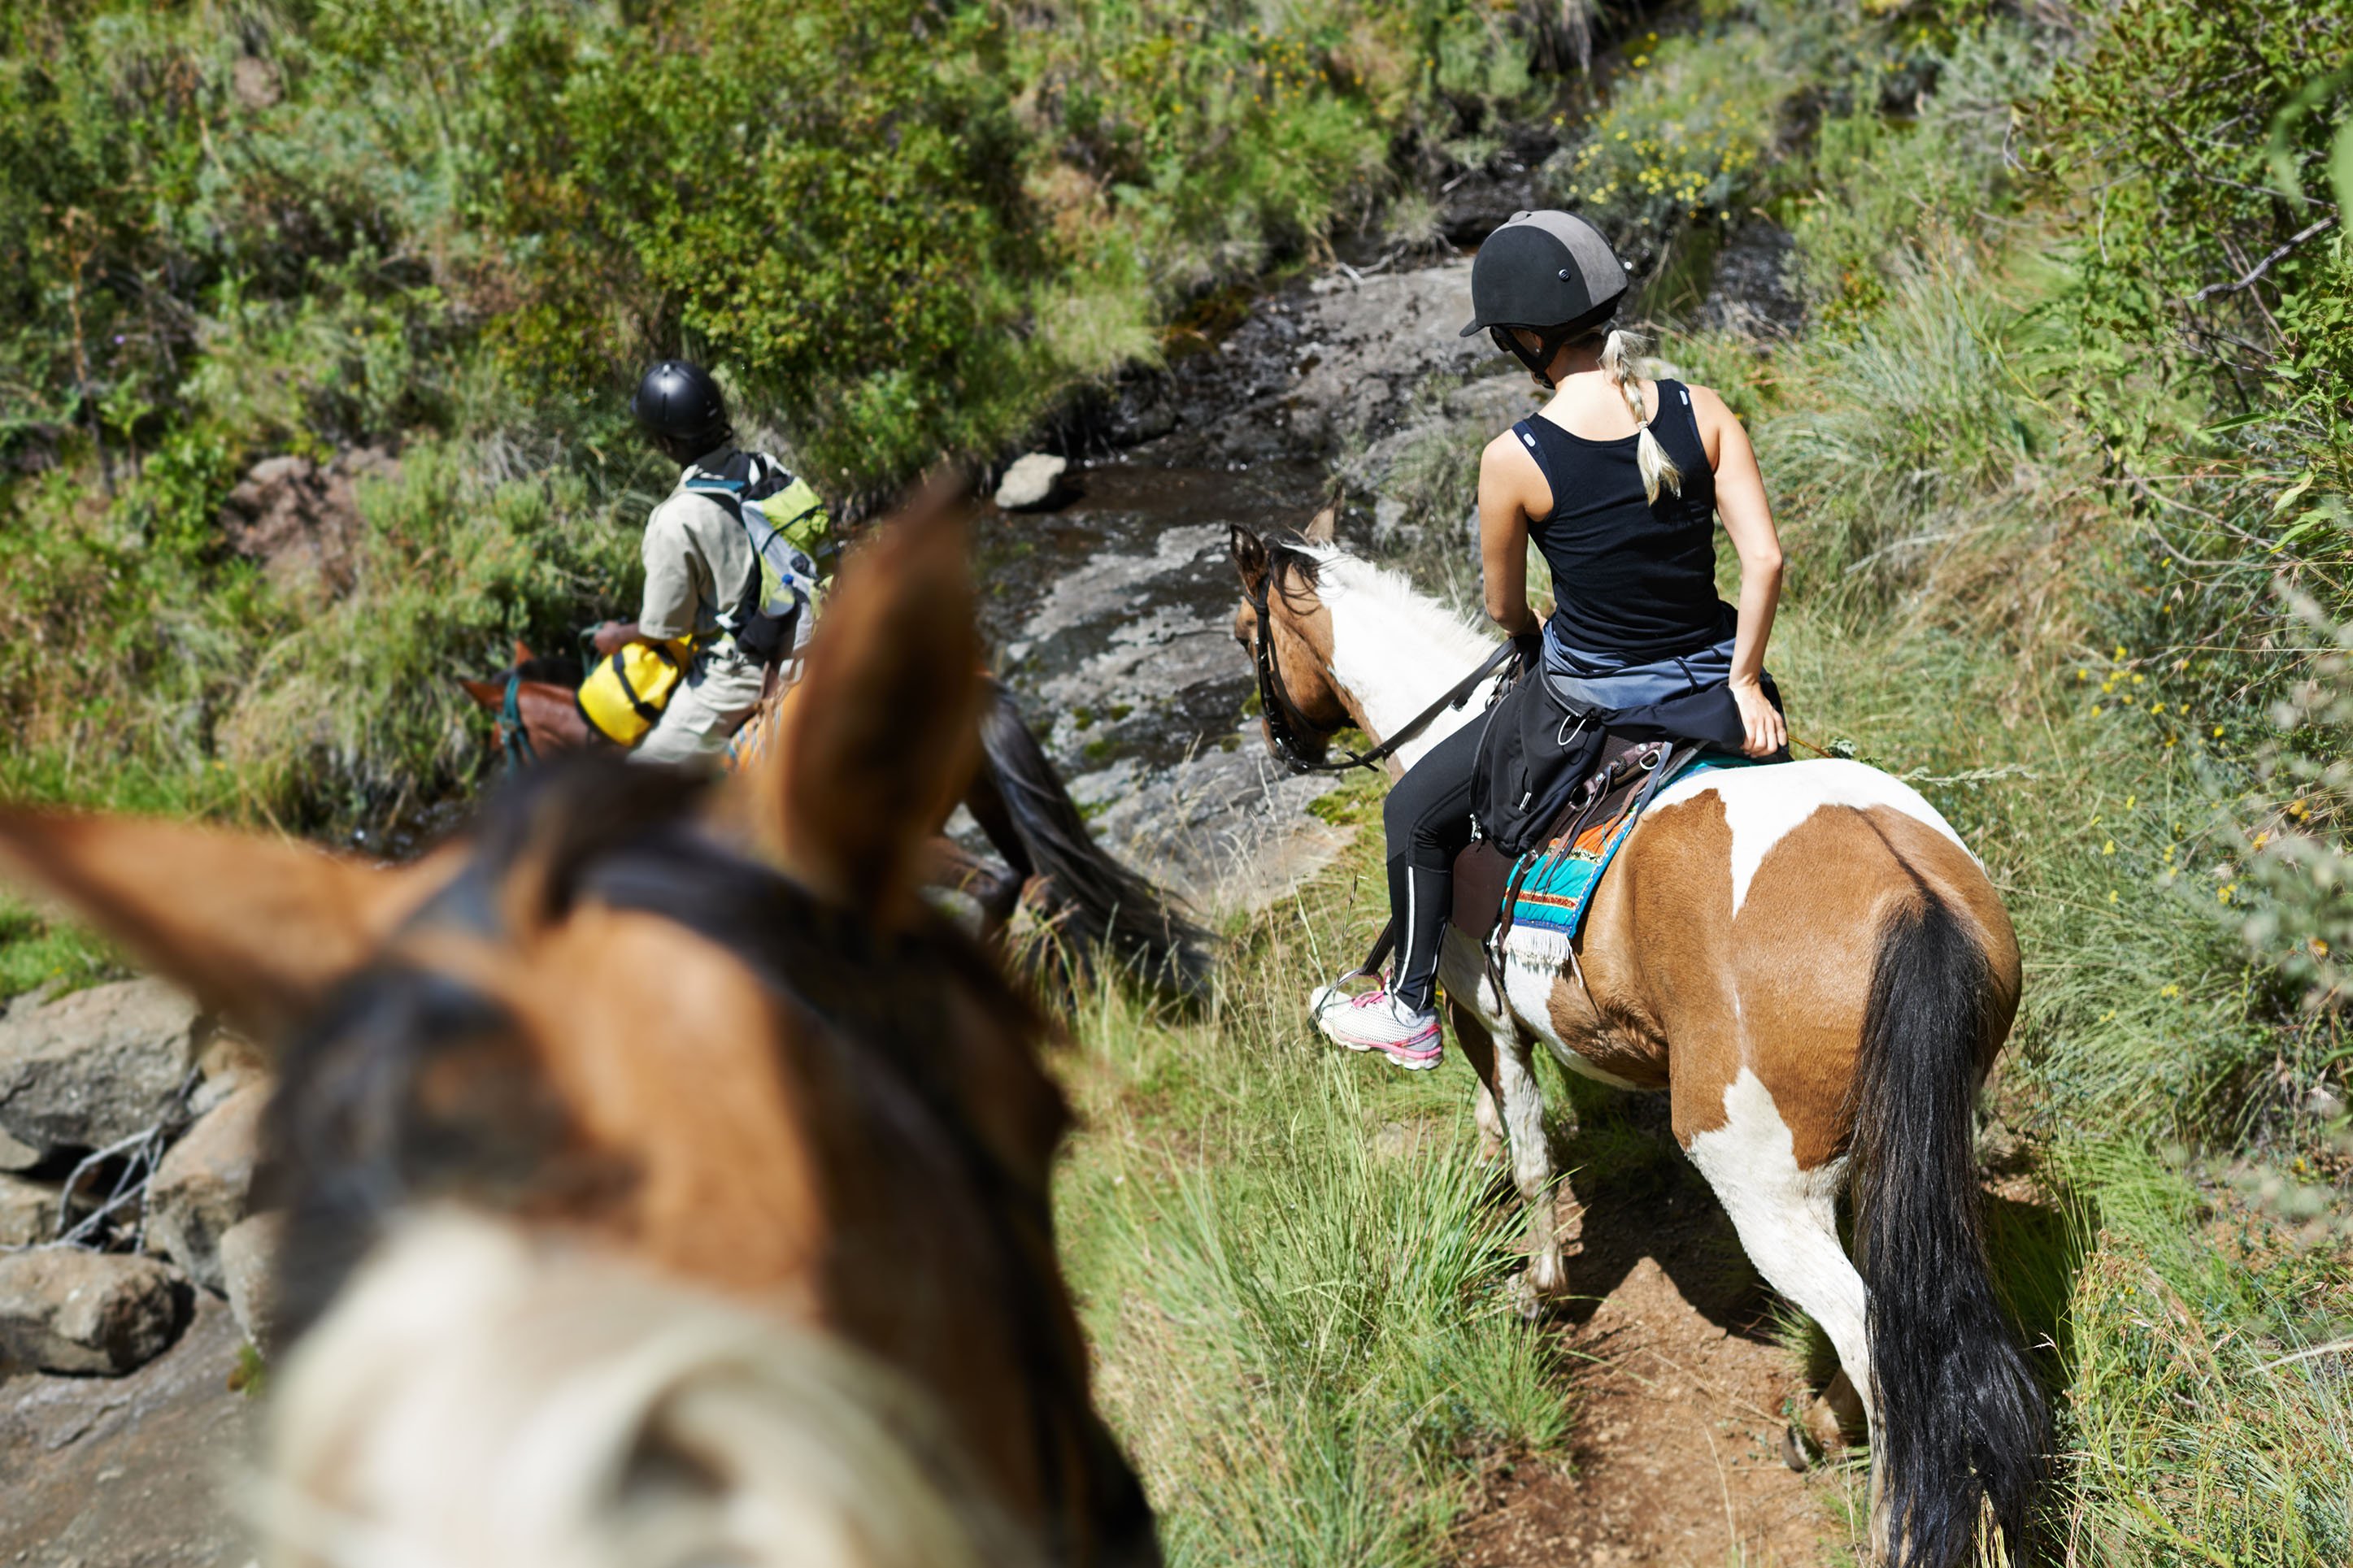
x,y
2304,525
2239,423
2340,168
2288,498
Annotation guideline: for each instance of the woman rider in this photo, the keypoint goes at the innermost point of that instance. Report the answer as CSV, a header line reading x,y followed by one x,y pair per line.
x,y
1618,481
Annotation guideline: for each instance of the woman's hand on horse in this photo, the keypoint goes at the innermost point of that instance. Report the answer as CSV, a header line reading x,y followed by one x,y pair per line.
x,y
1765,732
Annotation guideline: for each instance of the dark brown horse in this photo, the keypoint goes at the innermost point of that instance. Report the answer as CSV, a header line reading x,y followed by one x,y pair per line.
x,y
1087,898
651,1122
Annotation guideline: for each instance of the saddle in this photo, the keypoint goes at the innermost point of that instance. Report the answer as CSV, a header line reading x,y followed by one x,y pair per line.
x,y
1586,829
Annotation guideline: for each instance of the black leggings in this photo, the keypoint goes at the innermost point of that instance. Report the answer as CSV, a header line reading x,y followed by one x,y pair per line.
x,y
1427,818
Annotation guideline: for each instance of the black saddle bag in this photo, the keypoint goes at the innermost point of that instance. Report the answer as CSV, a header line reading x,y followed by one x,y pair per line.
x,y
1533,754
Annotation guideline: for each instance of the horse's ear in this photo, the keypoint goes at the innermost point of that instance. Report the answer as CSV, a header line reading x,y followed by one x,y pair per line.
x,y
522,653
1323,528
877,742
490,694
1250,556
259,928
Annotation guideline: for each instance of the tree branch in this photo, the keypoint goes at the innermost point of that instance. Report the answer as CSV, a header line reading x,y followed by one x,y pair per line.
x,y
2256,273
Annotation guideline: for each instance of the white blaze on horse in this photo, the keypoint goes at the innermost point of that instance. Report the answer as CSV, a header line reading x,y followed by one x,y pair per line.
x,y
665,1182
1812,966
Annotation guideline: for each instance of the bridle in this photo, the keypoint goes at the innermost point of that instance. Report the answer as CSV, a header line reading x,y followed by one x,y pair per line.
x,y
1284,720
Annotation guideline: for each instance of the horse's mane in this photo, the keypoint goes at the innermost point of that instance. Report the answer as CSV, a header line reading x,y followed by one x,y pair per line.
x,y
555,668
1293,566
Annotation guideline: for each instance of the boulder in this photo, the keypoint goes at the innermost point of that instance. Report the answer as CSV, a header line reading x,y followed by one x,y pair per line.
x,y
29,1212
302,522
91,1068
64,1310
248,1260
1033,481
205,1185
1495,403
15,1156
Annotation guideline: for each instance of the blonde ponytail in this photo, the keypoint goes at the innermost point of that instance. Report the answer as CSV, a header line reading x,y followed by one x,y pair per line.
x,y
1649,458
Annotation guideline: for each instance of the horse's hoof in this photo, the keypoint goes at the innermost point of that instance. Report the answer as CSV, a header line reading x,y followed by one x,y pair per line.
x,y
1526,1298
1821,1428
1794,1452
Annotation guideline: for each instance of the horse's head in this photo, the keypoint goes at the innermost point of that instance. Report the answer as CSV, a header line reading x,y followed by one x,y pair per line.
x,y
536,695
1286,631
704,1037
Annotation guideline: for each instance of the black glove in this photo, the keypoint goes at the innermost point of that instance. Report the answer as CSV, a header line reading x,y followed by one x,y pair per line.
x,y
1529,646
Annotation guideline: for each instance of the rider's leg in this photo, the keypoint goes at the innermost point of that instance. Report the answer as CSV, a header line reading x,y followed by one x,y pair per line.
x,y
1428,817
718,694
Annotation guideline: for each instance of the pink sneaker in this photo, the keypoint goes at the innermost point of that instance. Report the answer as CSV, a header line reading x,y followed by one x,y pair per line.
x,y
1373,1022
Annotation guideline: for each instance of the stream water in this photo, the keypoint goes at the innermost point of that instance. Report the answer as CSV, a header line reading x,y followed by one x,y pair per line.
x,y
1111,619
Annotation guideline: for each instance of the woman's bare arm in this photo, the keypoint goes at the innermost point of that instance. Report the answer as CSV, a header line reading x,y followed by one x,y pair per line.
x,y
1748,520
1506,476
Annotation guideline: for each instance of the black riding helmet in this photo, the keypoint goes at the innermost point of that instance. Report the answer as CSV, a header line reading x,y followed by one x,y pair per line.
x,y
681,409
1550,272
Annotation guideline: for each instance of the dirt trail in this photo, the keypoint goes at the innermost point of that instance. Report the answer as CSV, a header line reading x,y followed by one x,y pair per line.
x,y
1676,1455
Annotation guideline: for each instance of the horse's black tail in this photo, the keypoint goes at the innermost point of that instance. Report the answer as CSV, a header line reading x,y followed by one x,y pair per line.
x,y
1102,904
1961,1420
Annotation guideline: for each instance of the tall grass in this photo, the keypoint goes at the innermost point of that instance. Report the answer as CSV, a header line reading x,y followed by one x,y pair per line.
x,y
1290,1263
1963,577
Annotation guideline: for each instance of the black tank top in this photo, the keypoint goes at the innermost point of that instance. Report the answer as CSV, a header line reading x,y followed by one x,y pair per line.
x,y
1630,578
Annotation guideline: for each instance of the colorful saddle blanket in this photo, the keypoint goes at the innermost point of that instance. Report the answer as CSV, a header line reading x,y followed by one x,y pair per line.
x,y
1552,886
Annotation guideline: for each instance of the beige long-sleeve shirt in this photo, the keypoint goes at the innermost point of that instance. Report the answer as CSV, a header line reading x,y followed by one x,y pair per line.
x,y
698,561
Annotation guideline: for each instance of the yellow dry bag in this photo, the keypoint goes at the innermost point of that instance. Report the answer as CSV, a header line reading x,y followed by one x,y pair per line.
x,y
626,692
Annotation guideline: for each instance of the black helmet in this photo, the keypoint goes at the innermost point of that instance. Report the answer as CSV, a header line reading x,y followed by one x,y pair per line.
x,y
1550,272
680,405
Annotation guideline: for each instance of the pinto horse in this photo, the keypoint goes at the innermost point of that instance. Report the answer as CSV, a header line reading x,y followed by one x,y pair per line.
x,y
1017,796
1815,971
665,1180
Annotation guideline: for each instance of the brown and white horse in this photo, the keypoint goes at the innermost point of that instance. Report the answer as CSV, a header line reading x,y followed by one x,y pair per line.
x,y
664,1181
1815,971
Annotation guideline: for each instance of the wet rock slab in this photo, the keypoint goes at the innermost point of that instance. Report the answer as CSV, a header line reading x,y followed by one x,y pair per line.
x,y
132,1471
1114,624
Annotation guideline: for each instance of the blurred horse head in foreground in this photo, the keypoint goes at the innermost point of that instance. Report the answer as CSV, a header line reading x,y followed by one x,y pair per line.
x,y
666,1182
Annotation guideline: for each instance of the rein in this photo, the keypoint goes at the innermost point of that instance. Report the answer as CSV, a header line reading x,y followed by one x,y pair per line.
x,y
1284,718
513,733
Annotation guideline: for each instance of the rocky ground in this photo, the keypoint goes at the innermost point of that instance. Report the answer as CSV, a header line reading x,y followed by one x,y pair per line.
x,y
129,1123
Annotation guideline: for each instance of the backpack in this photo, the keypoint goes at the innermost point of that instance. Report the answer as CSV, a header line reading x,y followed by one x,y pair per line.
x,y
792,541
